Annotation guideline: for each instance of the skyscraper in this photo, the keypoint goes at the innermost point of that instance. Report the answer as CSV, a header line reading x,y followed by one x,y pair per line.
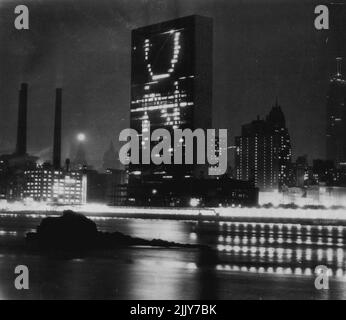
x,y
110,160
263,151
336,118
171,85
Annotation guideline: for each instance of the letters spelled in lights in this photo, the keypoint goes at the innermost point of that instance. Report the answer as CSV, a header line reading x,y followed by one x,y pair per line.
x,y
176,52
160,76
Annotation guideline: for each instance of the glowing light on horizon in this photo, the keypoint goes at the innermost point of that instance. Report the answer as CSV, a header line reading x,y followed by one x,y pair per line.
x,y
258,214
81,137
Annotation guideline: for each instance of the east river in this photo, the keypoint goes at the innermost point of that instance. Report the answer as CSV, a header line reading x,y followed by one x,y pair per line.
x,y
250,261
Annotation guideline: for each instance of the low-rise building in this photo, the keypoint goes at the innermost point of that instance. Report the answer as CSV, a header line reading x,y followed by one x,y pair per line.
x,y
55,186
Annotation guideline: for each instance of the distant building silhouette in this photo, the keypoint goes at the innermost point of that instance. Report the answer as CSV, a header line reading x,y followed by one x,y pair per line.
x,y
110,160
336,119
80,160
325,172
263,151
103,187
194,192
300,172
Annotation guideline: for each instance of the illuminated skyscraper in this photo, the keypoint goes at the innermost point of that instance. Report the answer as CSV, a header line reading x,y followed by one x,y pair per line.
x,y
336,118
171,84
263,153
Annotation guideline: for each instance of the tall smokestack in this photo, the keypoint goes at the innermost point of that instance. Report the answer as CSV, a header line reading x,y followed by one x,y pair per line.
x,y
57,130
338,66
22,120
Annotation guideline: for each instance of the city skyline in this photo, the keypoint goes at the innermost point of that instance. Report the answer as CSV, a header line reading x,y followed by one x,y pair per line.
x,y
96,112
172,149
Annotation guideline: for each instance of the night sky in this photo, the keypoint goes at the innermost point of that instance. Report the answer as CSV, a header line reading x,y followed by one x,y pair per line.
x,y
262,49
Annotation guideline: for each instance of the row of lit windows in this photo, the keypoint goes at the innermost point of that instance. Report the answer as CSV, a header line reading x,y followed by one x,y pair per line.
x,y
178,97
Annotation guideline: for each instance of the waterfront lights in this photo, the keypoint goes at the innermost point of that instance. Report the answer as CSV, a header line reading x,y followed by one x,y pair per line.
x,y
194,202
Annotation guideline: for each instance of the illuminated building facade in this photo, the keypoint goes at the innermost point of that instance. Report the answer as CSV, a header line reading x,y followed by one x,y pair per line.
x,y
171,85
263,152
55,186
336,119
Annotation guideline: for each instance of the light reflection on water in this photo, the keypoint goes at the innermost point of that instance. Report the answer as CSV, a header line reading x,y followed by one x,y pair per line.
x,y
276,248
8,233
252,260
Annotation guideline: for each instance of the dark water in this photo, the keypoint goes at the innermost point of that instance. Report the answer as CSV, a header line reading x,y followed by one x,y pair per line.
x,y
251,261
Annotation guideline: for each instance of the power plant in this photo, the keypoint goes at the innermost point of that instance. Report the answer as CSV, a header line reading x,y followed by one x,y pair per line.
x,y
22,178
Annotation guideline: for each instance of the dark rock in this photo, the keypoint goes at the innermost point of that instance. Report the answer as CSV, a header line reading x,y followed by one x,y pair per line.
x,y
75,232
71,230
